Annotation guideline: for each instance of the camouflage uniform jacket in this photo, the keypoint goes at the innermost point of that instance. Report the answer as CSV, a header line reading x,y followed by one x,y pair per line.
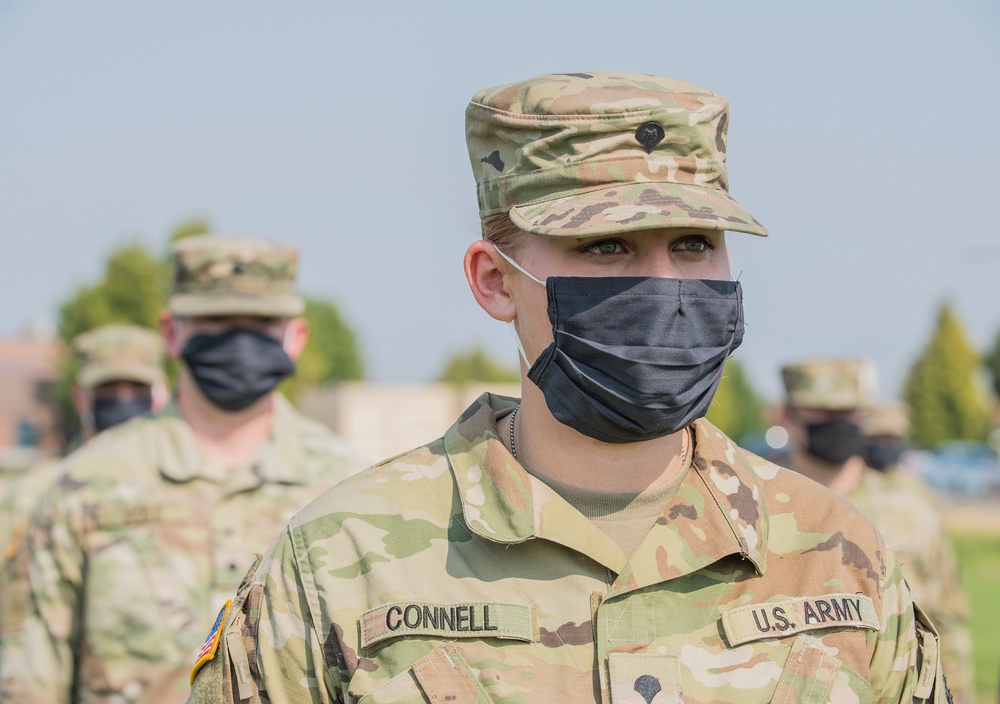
x,y
449,574
140,542
15,511
904,511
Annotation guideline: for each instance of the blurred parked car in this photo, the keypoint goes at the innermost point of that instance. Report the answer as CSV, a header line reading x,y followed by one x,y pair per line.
x,y
961,468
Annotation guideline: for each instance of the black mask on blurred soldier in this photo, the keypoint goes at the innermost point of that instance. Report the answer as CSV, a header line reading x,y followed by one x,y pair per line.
x,y
108,412
236,368
884,454
834,441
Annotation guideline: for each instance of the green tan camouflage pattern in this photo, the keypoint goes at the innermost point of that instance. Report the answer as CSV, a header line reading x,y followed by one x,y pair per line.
x,y
579,154
142,540
905,512
461,525
119,352
16,634
829,384
216,275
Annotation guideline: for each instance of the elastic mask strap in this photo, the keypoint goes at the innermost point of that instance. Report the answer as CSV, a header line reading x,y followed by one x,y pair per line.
x,y
518,266
510,323
517,341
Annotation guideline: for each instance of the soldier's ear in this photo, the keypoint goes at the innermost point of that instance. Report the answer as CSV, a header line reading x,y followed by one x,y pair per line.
x,y
484,270
296,337
160,394
170,330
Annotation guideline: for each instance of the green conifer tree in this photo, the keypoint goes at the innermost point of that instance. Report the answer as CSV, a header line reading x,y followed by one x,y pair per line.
x,y
945,403
992,363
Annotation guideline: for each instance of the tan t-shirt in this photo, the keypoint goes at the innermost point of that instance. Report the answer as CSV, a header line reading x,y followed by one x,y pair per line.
x,y
623,517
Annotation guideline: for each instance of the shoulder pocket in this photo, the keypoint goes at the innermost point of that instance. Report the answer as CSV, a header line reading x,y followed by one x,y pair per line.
x,y
931,685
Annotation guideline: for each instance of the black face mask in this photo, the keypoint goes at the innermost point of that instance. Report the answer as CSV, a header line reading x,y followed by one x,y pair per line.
x,y
636,358
236,368
834,441
882,455
108,412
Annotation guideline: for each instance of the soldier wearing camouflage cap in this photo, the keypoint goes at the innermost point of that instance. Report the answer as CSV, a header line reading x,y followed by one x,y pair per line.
x,y
598,540
834,422
896,500
823,399
152,524
120,376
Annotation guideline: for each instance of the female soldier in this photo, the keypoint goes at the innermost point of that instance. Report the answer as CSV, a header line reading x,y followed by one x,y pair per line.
x,y
597,541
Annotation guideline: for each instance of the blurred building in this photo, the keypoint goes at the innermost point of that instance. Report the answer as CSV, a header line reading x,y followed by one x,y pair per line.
x,y
383,420
29,415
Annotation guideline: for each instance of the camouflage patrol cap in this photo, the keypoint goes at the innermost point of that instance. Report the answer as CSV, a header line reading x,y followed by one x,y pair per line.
x,y
892,419
582,154
216,275
833,385
119,353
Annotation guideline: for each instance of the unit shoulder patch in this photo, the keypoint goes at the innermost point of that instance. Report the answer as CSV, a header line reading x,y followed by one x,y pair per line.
x,y
211,644
778,619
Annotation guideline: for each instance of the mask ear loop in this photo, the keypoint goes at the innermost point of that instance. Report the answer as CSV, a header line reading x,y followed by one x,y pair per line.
x,y
517,266
510,323
517,341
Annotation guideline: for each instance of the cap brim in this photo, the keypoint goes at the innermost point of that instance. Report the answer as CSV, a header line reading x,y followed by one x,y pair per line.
x,y
285,306
635,206
97,374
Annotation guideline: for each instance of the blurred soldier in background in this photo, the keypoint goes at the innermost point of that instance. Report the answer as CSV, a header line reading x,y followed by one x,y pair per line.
x,y
904,509
151,525
833,428
120,376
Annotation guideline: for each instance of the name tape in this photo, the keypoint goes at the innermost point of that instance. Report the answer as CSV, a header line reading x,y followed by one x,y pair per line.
x,y
806,613
464,620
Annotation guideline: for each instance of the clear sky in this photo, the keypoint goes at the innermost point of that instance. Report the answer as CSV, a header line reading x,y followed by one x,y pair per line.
x,y
863,135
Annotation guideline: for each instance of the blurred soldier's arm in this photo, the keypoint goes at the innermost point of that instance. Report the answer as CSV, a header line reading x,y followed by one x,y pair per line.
x,y
54,569
949,611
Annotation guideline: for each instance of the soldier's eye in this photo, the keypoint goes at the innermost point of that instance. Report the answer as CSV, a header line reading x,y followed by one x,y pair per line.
x,y
694,243
604,247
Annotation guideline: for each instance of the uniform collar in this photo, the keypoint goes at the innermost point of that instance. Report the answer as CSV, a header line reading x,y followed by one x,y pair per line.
x,y
719,510
180,458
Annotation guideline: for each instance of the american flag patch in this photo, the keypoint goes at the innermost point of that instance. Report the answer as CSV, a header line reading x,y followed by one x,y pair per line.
x,y
211,644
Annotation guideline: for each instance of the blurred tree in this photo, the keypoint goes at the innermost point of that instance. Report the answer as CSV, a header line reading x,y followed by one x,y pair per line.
x,y
992,363
941,389
190,228
736,408
132,290
477,365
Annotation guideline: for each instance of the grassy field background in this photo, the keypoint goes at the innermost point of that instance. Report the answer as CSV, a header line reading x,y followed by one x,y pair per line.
x,y
975,530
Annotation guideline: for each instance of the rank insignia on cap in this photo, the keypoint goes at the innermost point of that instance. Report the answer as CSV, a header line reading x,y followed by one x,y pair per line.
x,y
494,160
649,135
211,644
